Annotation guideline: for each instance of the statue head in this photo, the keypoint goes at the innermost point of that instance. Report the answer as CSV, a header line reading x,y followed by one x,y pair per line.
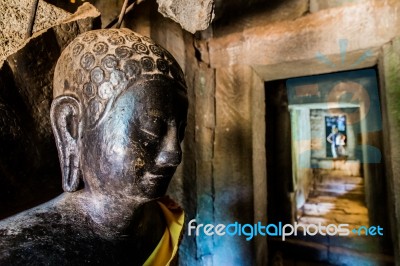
x,y
119,114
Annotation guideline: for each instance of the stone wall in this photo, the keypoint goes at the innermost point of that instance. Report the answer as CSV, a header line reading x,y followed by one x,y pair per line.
x,y
317,5
318,135
389,66
29,166
301,136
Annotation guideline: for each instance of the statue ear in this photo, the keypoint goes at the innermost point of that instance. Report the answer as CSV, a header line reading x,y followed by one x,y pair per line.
x,y
65,116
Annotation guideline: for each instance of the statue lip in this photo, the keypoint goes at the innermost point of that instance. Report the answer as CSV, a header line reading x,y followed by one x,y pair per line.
x,y
166,170
160,173
153,176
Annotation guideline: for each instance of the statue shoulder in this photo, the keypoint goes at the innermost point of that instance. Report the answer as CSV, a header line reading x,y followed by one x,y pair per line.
x,y
55,234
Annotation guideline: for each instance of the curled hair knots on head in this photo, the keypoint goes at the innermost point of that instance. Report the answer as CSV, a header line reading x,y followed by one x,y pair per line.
x,y
99,64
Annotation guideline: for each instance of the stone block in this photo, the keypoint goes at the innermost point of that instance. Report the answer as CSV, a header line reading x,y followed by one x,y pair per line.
x,y
14,17
192,15
325,164
232,164
389,66
265,15
169,35
317,5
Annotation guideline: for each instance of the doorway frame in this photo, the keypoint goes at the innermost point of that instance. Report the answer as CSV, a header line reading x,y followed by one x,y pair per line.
x,y
289,49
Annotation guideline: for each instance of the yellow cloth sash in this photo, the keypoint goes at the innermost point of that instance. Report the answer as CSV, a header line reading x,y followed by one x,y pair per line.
x,y
167,248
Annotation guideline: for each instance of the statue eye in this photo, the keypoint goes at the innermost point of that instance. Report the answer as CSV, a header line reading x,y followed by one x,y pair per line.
x,y
150,135
153,128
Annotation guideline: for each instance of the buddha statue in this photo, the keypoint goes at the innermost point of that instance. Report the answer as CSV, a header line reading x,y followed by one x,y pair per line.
x,y
118,117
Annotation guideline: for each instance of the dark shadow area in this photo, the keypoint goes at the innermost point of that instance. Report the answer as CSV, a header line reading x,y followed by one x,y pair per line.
x,y
29,166
278,148
29,169
226,11
236,16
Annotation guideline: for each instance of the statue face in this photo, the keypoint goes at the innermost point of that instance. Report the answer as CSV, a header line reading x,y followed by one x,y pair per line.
x,y
120,139
135,150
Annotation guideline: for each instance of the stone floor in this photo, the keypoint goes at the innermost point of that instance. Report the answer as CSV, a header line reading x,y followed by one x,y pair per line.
x,y
337,197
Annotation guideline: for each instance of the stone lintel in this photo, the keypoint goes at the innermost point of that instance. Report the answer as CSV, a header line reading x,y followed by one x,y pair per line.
x,y
311,66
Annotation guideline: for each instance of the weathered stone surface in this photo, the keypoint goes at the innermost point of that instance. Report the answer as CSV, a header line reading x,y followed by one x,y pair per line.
x,y
232,163
189,171
389,66
301,144
266,14
317,5
192,15
204,89
337,200
259,164
14,17
109,9
223,155
27,144
172,39
290,48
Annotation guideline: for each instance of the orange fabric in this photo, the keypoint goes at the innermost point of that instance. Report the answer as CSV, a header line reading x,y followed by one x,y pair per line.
x,y
167,248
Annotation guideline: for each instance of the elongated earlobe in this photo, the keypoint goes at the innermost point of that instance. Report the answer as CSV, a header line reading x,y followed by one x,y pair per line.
x,y
65,116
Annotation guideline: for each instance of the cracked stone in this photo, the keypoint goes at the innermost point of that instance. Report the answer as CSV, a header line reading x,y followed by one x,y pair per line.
x,y
192,15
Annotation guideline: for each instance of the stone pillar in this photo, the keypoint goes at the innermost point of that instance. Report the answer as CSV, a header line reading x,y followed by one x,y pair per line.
x,y
389,68
232,162
259,165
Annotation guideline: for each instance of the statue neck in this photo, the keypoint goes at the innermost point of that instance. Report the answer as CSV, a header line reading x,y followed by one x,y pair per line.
x,y
114,215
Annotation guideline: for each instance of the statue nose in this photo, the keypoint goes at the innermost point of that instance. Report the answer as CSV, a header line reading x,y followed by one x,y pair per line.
x,y
169,158
170,151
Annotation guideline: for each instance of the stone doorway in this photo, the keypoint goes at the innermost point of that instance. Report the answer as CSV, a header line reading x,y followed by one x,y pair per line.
x,y
307,185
